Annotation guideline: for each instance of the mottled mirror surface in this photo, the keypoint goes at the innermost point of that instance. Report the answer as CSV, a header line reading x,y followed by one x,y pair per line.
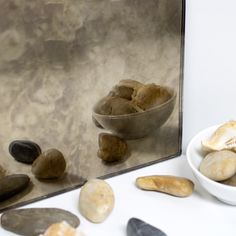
x,y
58,58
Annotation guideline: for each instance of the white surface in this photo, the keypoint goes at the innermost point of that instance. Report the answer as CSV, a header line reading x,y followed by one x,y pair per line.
x,y
209,98
195,156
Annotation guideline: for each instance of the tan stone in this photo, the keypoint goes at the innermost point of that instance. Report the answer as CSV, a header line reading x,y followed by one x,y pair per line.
x,y
173,185
219,165
62,229
150,95
96,200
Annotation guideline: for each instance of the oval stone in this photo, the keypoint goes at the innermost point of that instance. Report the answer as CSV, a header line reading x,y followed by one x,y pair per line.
x,y
24,151
173,185
137,227
50,164
13,184
35,221
111,147
219,165
96,200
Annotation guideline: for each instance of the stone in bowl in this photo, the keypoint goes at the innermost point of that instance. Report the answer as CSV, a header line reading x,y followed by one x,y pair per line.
x,y
139,124
195,155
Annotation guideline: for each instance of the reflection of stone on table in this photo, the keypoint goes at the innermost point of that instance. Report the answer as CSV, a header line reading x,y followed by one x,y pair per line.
x,y
11,185
24,151
111,148
49,165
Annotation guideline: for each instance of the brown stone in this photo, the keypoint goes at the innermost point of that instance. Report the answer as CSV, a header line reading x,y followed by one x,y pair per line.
x,y
150,95
50,164
115,106
173,185
111,147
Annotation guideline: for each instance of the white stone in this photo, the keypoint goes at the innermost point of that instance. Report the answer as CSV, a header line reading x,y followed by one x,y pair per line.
x,y
96,200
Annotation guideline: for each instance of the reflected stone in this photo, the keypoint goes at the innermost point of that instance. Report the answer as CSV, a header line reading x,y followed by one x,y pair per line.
x,y
111,147
150,95
35,221
24,151
50,164
136,227
12,184
115,106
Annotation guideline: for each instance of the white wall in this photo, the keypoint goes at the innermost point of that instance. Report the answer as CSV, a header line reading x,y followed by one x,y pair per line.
x,y
210,65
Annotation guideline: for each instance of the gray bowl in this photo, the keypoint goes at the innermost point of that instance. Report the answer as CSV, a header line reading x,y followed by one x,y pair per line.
x,y
140,124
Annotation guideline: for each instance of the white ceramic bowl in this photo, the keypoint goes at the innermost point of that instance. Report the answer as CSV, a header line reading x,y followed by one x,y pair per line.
x,y
224,193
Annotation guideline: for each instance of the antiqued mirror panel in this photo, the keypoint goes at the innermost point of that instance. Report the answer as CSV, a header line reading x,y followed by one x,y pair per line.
x,y
71,70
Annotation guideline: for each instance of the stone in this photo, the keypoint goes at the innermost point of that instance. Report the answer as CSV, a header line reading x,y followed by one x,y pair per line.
x,y
111,147
11,185
137,227
96,200
231,181
50,164
150,95
24,151
173,185
219,165
35,221
122,91
115,106
62,229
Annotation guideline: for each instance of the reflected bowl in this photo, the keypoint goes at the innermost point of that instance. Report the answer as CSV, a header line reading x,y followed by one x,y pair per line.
x,y
139,124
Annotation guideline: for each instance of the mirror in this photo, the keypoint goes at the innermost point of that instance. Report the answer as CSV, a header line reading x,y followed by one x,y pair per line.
x,y
58,59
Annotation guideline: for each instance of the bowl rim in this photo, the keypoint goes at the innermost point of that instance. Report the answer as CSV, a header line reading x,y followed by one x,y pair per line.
x,y
195,170
173,94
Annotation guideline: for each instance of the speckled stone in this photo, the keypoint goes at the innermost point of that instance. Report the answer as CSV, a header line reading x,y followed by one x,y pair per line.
x,y
13,184
111,147
50,164
150,95
96,200
219,165
35,221
62,229
137,227
24,151
173,185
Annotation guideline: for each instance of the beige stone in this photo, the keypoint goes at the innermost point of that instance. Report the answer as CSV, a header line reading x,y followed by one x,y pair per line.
x,y
173,185
219,165
96,200
62,229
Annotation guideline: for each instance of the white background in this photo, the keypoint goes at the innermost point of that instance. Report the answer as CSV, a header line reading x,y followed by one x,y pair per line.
x,y
209,98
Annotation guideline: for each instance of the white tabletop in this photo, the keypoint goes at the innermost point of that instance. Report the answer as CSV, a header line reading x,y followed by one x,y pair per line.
x,y
209,98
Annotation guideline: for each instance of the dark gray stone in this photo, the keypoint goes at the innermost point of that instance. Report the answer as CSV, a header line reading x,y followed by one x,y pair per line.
x,y
35,221
136,227
12,184
24,151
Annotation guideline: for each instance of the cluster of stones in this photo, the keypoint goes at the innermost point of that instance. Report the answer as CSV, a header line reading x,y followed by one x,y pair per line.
x,y
45,165
131,96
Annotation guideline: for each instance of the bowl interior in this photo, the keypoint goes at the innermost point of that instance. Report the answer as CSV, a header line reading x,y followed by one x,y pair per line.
x,y
195,155
170,90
